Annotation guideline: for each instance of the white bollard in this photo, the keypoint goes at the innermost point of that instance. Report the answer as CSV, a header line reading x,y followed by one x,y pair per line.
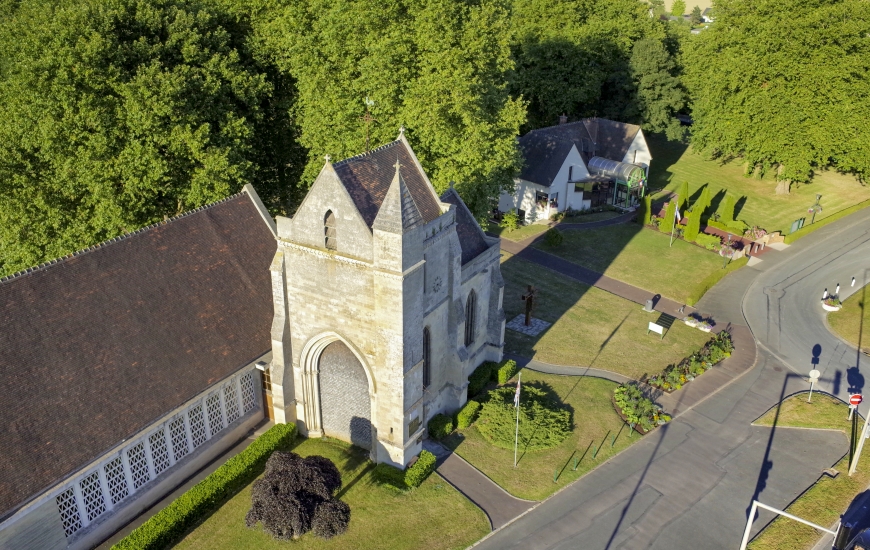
x,y
837,292
825,295
853,281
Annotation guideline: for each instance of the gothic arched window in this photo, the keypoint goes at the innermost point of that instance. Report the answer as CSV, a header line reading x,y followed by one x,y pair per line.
x,y
427,358
329,236
470,310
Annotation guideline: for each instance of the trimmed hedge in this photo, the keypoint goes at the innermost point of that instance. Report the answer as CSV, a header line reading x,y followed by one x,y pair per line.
x,y
807,229
506,371
440,426
553,237
466,415
416,474
480,377
710,281
167,525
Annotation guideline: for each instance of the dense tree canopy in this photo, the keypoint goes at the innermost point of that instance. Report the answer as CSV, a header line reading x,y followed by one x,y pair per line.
x,y
438,67
784,83
579,58
117,113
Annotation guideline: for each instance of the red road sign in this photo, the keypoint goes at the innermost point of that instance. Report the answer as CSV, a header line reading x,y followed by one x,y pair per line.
x,y
856,399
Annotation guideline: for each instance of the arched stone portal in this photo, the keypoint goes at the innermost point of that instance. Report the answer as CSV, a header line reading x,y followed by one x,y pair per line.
x,y
345,405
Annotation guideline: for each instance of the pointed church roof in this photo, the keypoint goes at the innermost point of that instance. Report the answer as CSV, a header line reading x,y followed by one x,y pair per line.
x,y
471,236
369,177
398,212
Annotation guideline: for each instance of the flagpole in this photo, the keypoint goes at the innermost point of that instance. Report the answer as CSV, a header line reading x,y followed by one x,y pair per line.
x,y
676,221
517,403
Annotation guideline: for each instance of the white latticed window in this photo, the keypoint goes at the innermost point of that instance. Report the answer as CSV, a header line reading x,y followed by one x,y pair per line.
x,y
159,453
213,406
249,399
232,401
116,481
179,438
197,425
106,484
138,465
92,495
69,511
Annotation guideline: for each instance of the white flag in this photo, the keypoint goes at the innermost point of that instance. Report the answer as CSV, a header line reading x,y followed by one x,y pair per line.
x,y
517,395
677,213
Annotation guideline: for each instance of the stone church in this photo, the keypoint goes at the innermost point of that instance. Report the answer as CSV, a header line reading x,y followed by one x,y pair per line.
x,y
386,297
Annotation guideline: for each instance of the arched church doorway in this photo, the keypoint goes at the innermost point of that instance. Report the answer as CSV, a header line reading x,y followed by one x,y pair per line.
x,y
345,405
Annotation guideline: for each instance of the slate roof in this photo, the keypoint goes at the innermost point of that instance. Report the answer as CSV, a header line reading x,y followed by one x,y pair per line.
x,y
367,178
99,345
471,237
544,150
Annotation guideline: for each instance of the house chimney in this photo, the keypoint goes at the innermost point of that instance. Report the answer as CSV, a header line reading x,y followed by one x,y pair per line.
x,y
563,119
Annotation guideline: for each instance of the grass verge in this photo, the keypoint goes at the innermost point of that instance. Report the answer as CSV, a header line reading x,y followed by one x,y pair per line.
x,y
827,498
591,327
520,233
640,257
673,163
850,324
595,422
434,515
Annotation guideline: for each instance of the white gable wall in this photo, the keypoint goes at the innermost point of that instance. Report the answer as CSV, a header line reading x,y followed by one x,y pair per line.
x,y
638,152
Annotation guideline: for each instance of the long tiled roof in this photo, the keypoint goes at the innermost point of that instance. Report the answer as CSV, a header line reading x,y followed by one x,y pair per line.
x,y
367,178
98,345
544,150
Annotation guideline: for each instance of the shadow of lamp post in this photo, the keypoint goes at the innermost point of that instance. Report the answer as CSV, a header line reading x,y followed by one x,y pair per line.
x,y
814,209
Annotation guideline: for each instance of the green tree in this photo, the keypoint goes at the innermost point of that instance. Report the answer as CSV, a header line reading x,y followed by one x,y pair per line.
x,y
678,8
117,113
693,226
658,8
796,111
683,203
726,211
659,92
696,18
644,215
667,224
437,67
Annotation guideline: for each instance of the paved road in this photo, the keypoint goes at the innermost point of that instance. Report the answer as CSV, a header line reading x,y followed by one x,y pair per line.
x,y
783,306
689,485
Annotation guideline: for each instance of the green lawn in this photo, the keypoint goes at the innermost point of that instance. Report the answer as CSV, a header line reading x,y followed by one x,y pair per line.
x,y
674,163
591,217
594,423
591,327
829,497
518,234
848,322
640,257
434,515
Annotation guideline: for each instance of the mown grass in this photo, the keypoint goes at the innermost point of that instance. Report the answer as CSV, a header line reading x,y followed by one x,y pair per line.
x,y
595,422
591,327
640,257
822,503
848,323
520,233
673,163
435,515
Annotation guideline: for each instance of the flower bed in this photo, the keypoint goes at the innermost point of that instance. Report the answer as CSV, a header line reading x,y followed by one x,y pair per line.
x,y
675,376
832,303
636,410
698,322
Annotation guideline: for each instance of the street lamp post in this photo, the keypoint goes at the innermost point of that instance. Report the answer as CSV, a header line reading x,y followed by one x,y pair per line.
x,y
729,254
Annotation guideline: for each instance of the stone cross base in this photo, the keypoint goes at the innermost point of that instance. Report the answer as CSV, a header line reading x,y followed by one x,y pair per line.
x,y
536,327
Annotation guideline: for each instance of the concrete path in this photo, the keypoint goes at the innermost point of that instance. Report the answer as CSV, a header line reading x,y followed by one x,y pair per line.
x,y
498,505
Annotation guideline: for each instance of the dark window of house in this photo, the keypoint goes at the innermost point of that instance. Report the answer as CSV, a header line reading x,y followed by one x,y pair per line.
x,y
329,230
427,358
470,309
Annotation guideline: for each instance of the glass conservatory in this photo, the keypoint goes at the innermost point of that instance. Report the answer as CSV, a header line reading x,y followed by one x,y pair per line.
x,y
629,179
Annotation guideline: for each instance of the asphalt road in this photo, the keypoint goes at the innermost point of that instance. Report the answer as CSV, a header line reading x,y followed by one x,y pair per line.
x,y
783,304
689,485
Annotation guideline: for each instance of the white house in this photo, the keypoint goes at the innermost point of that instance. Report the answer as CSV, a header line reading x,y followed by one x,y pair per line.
x,y
579,165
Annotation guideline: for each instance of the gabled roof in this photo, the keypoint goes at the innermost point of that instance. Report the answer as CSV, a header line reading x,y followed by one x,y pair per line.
x,y
367,178
544,150
471,237
102,343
